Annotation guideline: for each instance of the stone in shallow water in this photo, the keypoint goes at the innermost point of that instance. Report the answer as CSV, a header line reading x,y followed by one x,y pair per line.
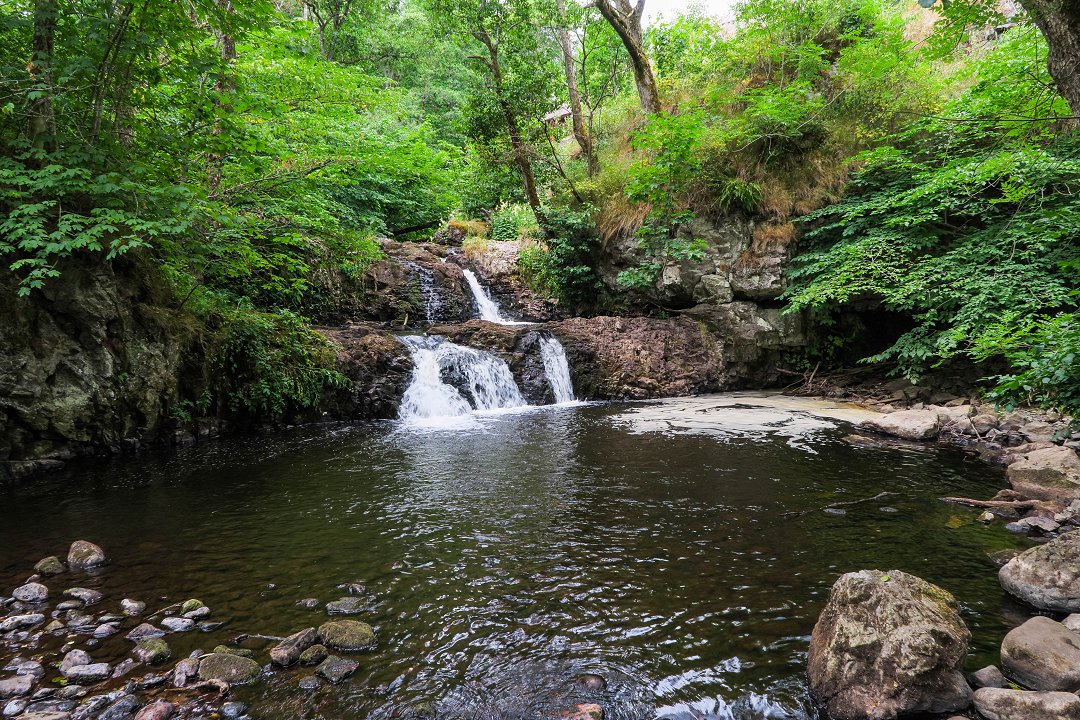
x,y
346,635
1042,654
74,658
14,707
175,624
239,652
591,682
988,676
131,608
233,669
310,683
233,709
122,709
16,686
584,711
158,710
308,603
144,631
1047,576
152,651
84,555
88,674
288,650
1002,704
31,593
346,606
314,655
106,630
85,595
337,669
21,621
49,566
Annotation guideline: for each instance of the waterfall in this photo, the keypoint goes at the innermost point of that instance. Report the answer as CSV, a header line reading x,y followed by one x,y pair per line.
x,y
432,302
489,310
557,369
450,381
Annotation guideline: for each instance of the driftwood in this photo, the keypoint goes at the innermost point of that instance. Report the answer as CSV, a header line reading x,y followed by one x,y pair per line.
x,y
1005,504
834,505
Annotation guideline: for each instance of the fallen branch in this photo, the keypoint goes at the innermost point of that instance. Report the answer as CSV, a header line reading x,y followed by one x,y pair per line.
x,y
1000,504
834,505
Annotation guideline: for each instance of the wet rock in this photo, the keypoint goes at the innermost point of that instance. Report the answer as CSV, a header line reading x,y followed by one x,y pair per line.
x,y
1048,576
198,613
1051,473
353,588
121,709
73,659
239,652
191,606
145,630
346,606
55,627
85,555
988,676
314,655
177,624
288,651
16,622
92,705
46,715
16,686
1042,654
888,644
132,608
158,710
335,669
309,683
907,424
232,669
233,709
1002,704
14,707
209,626
346,635
84,595
184,671
308,603
69,605
88,674
591,682
49,566
1041,525
152,651
106,630
123,668
31,593
583,711
31,668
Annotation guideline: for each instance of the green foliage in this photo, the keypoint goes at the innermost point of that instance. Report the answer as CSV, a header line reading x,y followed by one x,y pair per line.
x,y
563,267
1045,356
508,221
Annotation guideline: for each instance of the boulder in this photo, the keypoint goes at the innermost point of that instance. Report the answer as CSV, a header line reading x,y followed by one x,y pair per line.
x,y
888,644
49,566
314,655
1046,576
1051,473
335,669
1001,704
31,593
1042,654
85,555
346,635
907,424
288,651
232,669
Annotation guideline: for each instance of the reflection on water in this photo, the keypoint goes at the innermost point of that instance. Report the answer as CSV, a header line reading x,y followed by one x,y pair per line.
x,y
647,543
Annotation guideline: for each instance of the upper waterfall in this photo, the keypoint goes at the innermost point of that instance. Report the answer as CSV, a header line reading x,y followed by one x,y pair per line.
x,y
488,308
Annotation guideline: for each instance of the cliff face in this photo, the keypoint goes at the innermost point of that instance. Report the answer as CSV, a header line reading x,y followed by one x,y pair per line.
x,y
87,363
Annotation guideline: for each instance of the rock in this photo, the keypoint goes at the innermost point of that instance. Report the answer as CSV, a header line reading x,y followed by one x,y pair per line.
x,y
177,624
591,682
31,593
308,603
74,658
15,622
85,595
198,613
132,608
346,606
232,669
32,668
888,644
346,635
191,606
309,683
158,710
49,566
85,555
123,668
988,676
288,651
1051,473
314,655
88,674
47,715
233,709
1042,654
106,630
55,627
239,652
69,605
1072,622
336,669
121,709
184,671
1040,524
583,711
16,686
152,651
145,630
1001,704
907,424
14,707
1047,576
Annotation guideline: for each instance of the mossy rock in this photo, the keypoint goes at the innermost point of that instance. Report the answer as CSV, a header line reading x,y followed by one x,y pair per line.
x,y
347,635
152,650
233,669
238,652
49,566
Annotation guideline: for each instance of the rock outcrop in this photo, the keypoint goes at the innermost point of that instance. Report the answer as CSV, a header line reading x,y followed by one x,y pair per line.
x,y
1047,576
1050,473
888,644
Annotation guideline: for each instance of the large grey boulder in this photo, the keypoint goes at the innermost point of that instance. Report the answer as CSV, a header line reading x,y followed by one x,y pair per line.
x,y
1046,576
1042,654
888,644
1051,473
907,424
84,555
1000,704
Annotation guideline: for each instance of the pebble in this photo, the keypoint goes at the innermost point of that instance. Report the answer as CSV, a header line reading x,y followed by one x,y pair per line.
x,y
175,624
308,603
86,595
144,631
31,593
131,608
21,621
14,707
233,709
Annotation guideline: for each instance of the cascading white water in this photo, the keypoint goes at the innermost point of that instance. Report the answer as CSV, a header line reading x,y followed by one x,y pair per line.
x,y
481,381
432,301
489,310
557,369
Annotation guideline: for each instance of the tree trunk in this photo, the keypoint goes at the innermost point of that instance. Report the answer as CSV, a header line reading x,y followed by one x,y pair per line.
x,y
42,117
627,23
517,141
1059,21
580,134
227,47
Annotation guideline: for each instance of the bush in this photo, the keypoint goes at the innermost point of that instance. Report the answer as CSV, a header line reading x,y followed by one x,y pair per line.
x,y
562,266
510,221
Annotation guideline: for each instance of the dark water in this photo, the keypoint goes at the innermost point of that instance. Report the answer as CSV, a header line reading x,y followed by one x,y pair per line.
x,y
506,558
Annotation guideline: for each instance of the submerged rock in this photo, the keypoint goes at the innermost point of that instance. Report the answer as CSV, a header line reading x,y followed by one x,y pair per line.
x,y
1048,576
1001,704
85,555
346,606
347,635
232,669
335,669
288,651
152,651
888,644
314,655
1042,654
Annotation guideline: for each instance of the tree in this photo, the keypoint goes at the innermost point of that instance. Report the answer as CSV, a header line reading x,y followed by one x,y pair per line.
x,y
42,117
1059,21
584,141
626,20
